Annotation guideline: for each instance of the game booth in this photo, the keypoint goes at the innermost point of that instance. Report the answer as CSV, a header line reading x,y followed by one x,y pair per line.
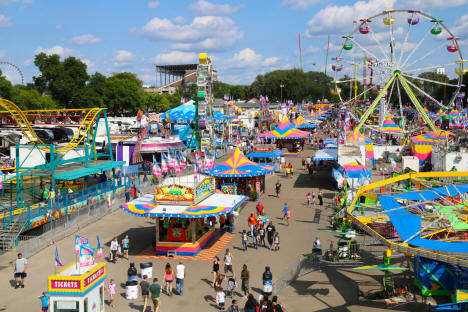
x,y
181,207
265,154
240,176
286,136
77,289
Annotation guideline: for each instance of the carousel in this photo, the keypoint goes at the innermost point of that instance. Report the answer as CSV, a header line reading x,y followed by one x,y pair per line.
x,y
240,176
181,208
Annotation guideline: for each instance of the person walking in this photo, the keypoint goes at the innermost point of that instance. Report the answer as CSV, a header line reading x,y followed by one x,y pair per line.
x,y
252,222
20,266
220,295
278,188
45,300
270,230
125,246
309,199
245,276
155,289
228,260
288,215
215,270
127,195
285,210
244,240
276,240
261,234
234,306
230,219
320,197
291,169
111,289
255,237
275,306
114,247
144,290
260,208
313,198
168,278
180,276
251,305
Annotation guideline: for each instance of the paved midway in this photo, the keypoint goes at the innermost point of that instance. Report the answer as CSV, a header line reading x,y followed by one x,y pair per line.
x,y
318,292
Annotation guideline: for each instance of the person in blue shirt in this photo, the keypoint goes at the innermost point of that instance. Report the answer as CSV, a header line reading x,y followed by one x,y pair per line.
x,y
44,301
285,210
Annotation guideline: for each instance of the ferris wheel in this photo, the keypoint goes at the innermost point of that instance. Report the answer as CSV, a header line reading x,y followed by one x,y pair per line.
x,y
380,63
15,68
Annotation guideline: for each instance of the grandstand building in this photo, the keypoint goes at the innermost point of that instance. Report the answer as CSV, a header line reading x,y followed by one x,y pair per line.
x,y
170,77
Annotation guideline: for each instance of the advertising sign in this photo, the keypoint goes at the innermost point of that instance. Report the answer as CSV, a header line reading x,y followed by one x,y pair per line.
x,y
205,188
174,193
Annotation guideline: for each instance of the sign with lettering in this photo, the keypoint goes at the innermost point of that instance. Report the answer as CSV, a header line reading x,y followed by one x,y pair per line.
x,y
263,148
67,279
205,188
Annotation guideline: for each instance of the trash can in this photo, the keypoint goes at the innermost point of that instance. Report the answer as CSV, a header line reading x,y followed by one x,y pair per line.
x,y
146,269
131,290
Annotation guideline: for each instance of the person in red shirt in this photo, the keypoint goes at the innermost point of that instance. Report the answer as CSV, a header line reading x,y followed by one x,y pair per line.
x,y
252,223
260,209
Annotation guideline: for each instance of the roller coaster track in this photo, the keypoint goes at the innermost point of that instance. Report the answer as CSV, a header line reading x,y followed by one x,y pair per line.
x,y
21,119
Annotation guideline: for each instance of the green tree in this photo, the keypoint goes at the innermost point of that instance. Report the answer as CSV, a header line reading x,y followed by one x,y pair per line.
x,y
124,93
29,99
6,88
65,80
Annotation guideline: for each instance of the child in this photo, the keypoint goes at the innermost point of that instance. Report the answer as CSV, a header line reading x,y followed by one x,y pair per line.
x,y
111,290
288,215
313,198
244,240
309,199
276,241
261,232
44,301
220,298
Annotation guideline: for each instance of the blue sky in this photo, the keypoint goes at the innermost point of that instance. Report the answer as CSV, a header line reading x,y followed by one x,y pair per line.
x,y
244,38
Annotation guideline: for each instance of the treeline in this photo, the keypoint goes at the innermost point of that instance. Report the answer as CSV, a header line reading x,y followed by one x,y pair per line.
x,y
67,84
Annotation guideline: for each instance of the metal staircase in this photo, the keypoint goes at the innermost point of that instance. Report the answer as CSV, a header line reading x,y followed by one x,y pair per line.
x,y
9,236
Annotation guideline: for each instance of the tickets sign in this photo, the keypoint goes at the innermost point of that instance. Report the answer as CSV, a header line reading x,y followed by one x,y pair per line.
x,y
67,279
263,148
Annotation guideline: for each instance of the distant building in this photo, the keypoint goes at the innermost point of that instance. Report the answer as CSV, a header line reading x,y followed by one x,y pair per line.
x,y
440,70
170,77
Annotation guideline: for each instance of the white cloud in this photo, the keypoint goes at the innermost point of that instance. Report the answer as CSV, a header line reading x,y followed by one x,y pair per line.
x,y
28,62
202,8
460,29
205,32
246,57
271,61
179,19
336,19
59,50
88,63
175,57
87,39
310,50
5,21
153,4
300,4
124,56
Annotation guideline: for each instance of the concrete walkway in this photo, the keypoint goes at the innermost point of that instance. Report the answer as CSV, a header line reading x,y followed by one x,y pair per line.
x,y
320,291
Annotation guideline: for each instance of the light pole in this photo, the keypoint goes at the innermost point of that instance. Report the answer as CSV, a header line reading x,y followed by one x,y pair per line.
x,y
281,87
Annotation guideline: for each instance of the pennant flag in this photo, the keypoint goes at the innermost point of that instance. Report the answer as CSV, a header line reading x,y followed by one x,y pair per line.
x,y
99,248
177,168
362,180
79,240
86,255
171,158
370,152
338,177
58,263
226,97
195,170
394,165
164,163
183,160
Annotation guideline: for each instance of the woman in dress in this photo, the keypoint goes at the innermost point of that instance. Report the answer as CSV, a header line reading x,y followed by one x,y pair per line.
x,y
215,269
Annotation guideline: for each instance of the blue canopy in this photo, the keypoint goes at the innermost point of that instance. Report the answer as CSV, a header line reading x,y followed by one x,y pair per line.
x,y
187,112
274,154
326,154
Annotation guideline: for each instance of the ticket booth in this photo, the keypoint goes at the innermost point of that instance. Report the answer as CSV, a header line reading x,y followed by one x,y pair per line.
x,y
75,289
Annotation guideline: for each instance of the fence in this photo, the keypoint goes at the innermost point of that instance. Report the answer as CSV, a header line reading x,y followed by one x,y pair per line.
x,y
296,269
69,224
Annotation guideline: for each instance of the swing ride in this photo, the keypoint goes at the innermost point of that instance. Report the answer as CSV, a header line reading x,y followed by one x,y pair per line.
x,y
396,46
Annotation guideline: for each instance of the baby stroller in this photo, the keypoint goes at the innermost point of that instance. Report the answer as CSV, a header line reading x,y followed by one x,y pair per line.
x,y
231,287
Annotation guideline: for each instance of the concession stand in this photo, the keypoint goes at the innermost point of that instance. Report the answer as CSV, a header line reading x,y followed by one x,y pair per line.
x,y
239,175
180,208
75,289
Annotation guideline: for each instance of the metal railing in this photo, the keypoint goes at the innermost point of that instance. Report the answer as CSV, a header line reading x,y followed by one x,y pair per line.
x,y
300,267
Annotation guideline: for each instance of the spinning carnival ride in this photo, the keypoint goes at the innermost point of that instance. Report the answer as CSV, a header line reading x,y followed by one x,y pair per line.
x,y
396,46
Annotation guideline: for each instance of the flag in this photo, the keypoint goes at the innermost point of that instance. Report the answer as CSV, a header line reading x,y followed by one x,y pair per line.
x,y
362,180
338,177
177,168
58,263
79,240
198,160
99,248
266,99
208,159
157,171
183,160
171,158
195,170
164,163
394,165
86,255
226,97
1,179
370,152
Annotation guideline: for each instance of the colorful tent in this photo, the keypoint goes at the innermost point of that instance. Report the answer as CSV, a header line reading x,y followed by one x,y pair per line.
x,y
239,166
421,145
370,151
285,130
390,126
355,170
301,123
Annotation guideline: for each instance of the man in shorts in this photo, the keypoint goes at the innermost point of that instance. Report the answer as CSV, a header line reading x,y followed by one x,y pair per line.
x,y
228,259
21,264
155,289
144,287
245,276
